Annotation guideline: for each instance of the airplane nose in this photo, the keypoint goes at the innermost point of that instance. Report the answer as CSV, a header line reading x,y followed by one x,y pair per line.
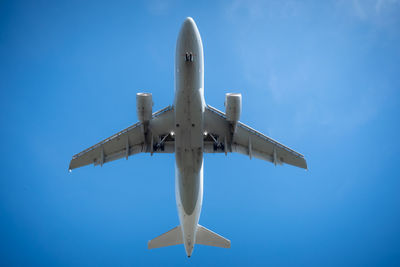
x,y
189,21
189,24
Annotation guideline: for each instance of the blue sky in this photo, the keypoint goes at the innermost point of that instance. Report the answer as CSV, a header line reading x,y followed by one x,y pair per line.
x,y
319,76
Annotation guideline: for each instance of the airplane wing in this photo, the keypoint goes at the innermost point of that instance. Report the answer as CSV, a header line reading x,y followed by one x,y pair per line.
x,y
154,138
245,140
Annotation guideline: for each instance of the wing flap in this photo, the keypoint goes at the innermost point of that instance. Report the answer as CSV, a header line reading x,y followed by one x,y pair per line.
x,y
128,142
251,142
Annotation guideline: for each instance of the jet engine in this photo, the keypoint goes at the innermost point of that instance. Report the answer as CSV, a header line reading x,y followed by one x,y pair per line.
x,y
233,107
144,106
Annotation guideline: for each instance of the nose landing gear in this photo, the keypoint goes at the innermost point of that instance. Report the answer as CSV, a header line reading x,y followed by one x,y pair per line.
x,y
189,57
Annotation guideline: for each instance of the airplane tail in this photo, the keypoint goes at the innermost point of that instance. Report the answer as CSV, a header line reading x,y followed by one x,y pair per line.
x,y
209,238
170,238
203,237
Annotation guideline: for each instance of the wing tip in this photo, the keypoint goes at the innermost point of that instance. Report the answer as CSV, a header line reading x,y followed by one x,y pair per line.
x,y
70,167
305,165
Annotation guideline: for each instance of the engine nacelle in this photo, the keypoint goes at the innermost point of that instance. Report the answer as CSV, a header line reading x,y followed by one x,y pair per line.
x,y
144,106
233,107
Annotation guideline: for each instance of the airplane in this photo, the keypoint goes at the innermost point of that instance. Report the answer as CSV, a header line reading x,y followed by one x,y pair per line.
x,y
189,128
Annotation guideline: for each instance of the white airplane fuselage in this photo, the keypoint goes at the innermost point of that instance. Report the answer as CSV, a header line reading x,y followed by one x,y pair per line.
x,y
189,112
189,128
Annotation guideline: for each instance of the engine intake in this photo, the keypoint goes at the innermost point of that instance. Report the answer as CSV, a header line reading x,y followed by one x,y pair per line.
x,y
233,107
144,106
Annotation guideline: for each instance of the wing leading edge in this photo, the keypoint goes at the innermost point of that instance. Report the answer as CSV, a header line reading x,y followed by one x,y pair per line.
x,y
158,139
246,141
132,140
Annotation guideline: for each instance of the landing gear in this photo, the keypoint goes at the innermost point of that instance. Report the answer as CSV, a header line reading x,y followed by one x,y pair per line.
x,y
218,146
160,146
189,57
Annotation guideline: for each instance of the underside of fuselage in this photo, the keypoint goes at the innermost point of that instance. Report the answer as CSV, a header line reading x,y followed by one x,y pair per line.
x,y
189,107
189,128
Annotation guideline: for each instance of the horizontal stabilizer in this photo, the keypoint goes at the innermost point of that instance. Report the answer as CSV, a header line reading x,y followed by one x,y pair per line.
x,y
170,238
209,238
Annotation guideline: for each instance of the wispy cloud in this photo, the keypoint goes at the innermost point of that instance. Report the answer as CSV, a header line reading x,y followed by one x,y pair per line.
x,y
379,12
159,7
258,9
307,65
340,117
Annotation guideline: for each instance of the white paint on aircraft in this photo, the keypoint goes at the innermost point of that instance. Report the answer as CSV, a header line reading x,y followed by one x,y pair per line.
x,y
189,129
